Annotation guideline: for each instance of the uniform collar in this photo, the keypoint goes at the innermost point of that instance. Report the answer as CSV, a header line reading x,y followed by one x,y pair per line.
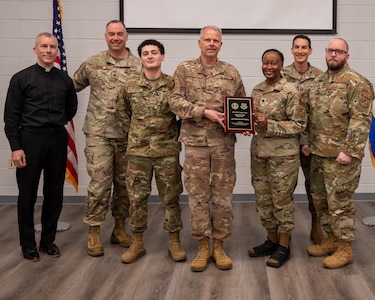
x,y
217,69
125,62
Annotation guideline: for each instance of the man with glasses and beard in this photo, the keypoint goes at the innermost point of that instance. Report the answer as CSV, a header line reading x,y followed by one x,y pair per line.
x,y
340,112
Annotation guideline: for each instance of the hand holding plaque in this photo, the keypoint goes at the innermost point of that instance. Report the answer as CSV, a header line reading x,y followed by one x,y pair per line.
x,y
239,114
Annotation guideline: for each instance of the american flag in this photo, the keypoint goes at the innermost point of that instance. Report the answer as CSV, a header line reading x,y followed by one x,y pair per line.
x,y
60,62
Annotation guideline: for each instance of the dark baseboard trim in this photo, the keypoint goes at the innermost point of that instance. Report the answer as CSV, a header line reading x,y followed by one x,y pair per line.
x,y
155,199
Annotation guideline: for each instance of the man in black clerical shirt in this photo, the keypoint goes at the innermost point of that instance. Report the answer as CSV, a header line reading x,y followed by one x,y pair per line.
x,y
41,99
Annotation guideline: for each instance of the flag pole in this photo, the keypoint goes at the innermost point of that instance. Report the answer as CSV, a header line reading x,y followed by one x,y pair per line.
x,y
72,158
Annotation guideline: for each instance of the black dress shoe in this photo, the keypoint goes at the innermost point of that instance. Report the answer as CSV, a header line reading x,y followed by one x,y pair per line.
x,y
31,253
50,249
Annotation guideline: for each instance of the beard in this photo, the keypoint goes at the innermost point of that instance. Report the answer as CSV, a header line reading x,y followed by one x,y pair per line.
x,y
335,65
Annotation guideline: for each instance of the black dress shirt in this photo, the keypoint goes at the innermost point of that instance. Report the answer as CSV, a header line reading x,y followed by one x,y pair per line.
x,y
38,98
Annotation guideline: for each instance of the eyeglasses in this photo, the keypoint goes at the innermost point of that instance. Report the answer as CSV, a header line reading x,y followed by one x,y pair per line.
x,y
337,51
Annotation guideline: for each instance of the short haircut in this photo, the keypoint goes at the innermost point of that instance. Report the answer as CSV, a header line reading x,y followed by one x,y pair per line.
x,y
47,34
211,27
274,50
302,36
151,42
115,22
345,42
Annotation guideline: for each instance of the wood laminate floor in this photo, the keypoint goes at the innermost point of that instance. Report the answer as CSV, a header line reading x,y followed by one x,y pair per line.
x,y
75,275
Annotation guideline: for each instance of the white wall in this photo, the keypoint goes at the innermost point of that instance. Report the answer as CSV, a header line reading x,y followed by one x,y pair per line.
x,y
84,25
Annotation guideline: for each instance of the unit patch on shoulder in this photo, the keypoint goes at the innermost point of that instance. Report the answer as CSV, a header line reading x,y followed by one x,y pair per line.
x,y
364,103
171,84
366,94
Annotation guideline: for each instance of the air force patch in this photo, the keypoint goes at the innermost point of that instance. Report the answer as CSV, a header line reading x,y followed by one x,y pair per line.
x,y
171,84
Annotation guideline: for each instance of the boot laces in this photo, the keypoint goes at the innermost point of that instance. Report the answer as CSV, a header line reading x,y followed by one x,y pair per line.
x,y
134,247
202,254
96,236
341,253
220,253
96,239
176,245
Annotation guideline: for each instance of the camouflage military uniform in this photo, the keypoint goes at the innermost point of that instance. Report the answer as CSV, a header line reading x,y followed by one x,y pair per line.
x,y
275,152
340,111
152,147
106,128
209,166
303,82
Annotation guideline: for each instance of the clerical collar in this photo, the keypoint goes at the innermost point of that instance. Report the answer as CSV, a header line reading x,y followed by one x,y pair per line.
x,y
47,70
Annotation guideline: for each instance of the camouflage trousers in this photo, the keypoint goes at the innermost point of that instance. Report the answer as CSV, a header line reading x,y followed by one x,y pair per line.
x,y
306,165
209,177
274,179
139,174
106,166
332,187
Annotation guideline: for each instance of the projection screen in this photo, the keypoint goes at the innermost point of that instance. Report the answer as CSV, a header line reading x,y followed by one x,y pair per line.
x,y
233,16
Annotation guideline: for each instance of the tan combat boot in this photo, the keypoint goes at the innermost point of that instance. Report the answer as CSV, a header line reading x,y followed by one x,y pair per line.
x,y
342,256
223,262
199,264
119,235
136,249
94,244
327,247
316,233
175,249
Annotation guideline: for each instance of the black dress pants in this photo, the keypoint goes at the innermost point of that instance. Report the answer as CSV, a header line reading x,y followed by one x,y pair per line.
x,y
45,149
